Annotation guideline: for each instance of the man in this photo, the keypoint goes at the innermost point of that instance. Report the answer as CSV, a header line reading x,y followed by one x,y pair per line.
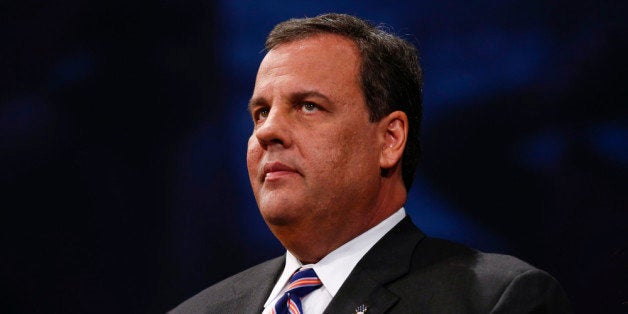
x,y
336,110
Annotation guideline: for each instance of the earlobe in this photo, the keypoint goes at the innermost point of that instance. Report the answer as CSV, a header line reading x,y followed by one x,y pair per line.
x,y
395,131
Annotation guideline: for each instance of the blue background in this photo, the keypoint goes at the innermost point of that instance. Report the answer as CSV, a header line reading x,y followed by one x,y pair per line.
x,y
123,130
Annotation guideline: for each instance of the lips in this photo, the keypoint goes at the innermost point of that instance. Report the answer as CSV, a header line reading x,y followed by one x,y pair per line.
x,y
275,170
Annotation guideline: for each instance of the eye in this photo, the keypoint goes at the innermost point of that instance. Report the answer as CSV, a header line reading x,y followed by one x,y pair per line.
x,y
309,107
261,114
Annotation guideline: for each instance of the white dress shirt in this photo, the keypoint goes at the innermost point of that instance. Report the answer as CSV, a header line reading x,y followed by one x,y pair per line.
x,y
333,269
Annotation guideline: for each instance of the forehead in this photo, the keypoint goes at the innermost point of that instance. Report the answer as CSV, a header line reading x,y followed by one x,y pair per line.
x,y
323,59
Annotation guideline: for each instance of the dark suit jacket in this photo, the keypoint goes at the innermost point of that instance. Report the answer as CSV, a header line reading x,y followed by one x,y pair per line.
x,y
406,272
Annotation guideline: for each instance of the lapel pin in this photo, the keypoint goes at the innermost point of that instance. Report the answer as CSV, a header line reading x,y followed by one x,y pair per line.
x,y
361,309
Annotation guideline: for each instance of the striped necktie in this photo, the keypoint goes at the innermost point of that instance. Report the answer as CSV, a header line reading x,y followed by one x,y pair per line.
x,y
301,284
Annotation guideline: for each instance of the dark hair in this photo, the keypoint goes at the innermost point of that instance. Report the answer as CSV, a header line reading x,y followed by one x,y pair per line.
x,y
390,74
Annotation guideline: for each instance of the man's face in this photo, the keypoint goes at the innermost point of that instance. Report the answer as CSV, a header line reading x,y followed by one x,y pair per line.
x,y
313,156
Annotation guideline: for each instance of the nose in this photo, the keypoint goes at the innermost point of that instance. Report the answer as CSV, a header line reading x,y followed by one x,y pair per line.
x,y
275,130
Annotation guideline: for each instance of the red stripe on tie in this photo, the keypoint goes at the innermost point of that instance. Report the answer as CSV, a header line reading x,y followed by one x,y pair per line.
x,y
305,282
293,307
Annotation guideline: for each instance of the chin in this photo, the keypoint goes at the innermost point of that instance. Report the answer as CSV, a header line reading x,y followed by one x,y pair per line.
x,y
279,214
277,221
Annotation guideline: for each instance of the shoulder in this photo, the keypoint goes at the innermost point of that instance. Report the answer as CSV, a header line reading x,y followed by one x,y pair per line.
x,y
496,282
522,288
433,252
253,282
444,258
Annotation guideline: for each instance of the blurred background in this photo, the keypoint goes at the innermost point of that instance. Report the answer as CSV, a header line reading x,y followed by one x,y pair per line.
x,y
123,129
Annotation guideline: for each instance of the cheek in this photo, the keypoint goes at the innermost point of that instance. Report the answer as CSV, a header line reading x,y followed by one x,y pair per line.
x,y
360,151
349,154
253,155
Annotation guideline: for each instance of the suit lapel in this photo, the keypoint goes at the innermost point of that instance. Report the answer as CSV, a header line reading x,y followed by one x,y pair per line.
x,y
387,261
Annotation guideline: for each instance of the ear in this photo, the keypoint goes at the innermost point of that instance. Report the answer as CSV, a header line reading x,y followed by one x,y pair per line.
x,y
394,128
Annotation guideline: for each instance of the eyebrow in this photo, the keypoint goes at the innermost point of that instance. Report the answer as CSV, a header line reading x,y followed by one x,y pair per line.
x,y
294,98
255,102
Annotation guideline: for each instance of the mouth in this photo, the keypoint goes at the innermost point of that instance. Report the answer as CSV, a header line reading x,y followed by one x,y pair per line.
x,y
276,170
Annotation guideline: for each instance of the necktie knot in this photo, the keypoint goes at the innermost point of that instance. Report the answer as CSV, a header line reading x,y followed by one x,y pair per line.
x,y
301,284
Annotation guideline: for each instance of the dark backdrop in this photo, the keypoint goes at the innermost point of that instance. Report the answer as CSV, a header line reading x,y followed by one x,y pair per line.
x,y
123,128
